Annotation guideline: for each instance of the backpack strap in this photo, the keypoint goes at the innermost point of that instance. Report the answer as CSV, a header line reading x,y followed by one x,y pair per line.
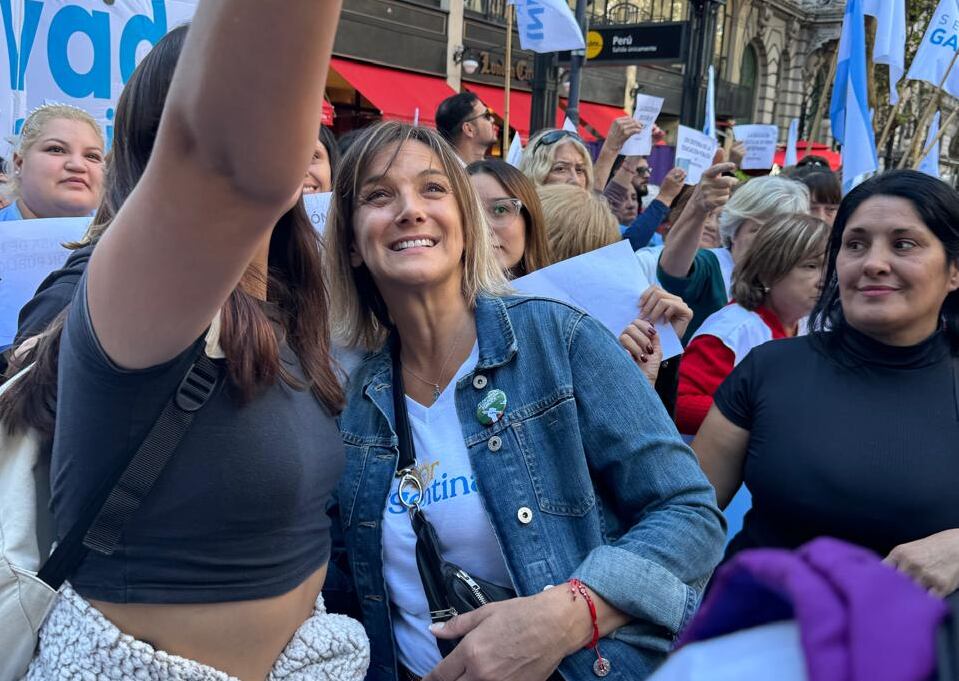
x,y
102,520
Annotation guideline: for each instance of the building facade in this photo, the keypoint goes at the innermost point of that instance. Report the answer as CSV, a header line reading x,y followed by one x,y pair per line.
x,y
399,58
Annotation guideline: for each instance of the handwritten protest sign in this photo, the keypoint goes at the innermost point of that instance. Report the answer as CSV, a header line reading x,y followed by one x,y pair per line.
x,y
29,251
606,283
694,153
318,208
760,141
646,112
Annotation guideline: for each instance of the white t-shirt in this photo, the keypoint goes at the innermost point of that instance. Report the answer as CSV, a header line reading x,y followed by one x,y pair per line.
x,y
453,507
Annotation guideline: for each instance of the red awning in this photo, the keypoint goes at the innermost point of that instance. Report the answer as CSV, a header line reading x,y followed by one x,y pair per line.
x,y
818,149
600,117
397,94
520,106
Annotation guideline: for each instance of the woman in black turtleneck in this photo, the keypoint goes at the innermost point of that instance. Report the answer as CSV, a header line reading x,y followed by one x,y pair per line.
x,y
854,432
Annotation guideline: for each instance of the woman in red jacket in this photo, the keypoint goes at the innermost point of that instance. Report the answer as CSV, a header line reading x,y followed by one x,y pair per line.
x,y
774,287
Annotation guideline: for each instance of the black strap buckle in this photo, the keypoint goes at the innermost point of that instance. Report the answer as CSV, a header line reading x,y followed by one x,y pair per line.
x,y
197,386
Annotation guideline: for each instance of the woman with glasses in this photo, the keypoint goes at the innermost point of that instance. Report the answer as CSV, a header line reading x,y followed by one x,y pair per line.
x,y
515,215
558,157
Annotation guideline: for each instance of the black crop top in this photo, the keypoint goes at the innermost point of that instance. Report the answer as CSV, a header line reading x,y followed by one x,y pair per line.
x,y
858,440
239,513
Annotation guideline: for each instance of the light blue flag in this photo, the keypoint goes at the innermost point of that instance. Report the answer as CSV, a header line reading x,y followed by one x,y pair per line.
x,y
930,163
547,26
709,127
890,46
849,108
792,139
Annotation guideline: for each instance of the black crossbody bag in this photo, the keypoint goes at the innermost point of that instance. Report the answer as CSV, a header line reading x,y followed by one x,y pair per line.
x,y
450,590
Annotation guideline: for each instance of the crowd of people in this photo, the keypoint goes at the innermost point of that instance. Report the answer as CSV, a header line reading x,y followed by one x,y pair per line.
x,y
546,459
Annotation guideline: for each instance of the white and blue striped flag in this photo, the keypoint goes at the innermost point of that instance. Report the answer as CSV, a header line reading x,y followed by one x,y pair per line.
x,y
709,127
849,108
548,26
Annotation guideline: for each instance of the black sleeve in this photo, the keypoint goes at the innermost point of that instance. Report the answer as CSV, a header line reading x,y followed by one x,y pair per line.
x,y
736,396
53,296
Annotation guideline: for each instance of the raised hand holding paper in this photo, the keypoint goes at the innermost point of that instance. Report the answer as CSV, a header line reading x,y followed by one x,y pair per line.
x,y
646,112
606,283
760,141
694,153
318,208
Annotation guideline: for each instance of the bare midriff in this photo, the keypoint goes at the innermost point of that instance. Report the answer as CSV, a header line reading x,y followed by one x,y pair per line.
x,y
242,638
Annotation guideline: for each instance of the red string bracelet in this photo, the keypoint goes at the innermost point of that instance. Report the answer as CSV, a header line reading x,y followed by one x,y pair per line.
x,y
601,666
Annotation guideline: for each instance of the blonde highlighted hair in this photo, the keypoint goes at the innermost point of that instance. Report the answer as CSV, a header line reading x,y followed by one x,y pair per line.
x,y
577,221
780,245
32,131
361,318
538,158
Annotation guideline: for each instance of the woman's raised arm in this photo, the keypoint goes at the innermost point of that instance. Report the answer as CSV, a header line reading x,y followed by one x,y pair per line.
x,y
237,131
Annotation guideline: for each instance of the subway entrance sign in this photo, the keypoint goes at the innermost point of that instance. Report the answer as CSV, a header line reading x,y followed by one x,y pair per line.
x,y
663,43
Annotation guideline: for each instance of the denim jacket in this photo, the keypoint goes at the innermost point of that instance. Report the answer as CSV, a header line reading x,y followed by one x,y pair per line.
x,y
584,476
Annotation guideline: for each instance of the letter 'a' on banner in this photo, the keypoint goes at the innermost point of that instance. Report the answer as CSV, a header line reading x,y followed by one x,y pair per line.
x,y
938,46
547,26
78,52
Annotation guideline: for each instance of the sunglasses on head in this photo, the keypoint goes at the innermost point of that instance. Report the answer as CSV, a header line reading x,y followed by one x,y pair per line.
x,y
555,136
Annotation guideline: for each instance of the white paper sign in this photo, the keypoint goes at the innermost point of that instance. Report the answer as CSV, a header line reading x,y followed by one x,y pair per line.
x,y
646,112
515,154
29,251
694,153
318,208
760,141
606,283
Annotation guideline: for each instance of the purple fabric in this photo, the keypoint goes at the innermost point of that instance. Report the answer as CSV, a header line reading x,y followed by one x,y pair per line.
x,y
661,161
859,619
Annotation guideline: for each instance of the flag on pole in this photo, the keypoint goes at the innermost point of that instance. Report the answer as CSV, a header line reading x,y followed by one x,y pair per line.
x,y
568,124
709,128
515,151
792,139
937,48
548,26
930,164
849,108
890,47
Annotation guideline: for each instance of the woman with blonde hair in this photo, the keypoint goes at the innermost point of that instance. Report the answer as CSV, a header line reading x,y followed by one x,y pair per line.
x,y
775,286
57,166
484,420
558,157
577,221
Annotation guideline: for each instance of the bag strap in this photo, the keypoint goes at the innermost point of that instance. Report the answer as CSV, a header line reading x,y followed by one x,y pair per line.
x,y
404,434
102,520
428,555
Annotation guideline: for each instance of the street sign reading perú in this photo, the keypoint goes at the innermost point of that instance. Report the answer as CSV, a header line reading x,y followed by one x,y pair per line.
x,y
635,43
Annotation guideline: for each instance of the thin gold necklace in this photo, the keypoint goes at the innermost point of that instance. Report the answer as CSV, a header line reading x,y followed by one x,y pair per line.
x,y
434,384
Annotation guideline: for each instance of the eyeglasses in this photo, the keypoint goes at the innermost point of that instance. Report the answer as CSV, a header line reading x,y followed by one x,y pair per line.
x,y
555,136
643,170
502,211
489,115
